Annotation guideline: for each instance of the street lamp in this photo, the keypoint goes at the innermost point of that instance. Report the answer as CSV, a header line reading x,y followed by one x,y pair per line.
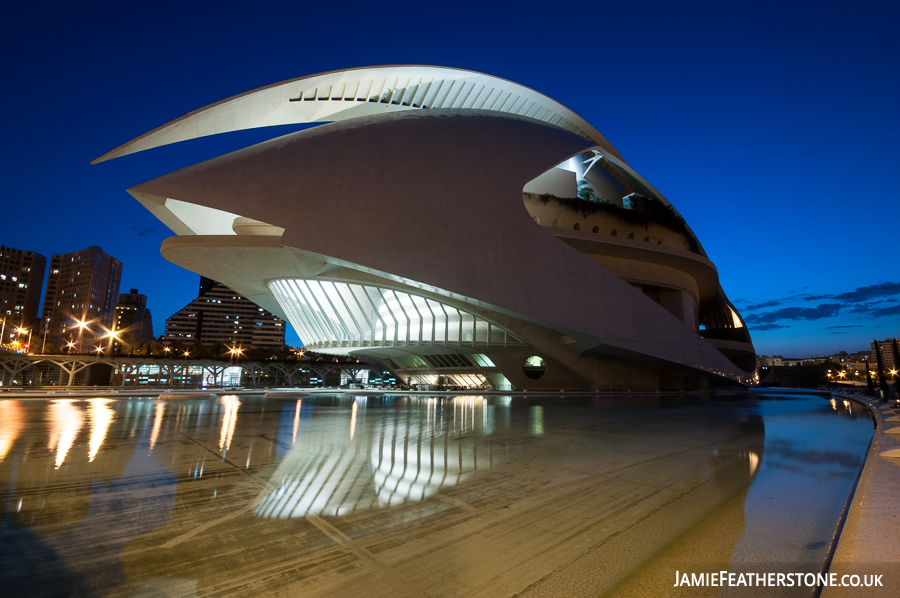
x,y
112,335
46,330
21,330
81,325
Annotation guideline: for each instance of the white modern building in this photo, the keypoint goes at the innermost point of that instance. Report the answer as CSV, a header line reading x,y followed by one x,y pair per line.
x,y
454,226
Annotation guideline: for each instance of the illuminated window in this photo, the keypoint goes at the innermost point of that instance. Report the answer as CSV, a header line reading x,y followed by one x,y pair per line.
x,y
534,367
335,314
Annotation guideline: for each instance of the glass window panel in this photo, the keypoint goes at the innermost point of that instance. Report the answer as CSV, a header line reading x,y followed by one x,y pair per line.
x,y
354,333
481,330
327,310
315,311
352,306
409,308
483,360
392,305
453,322
427,318
300,304
377,299
440,321
468,327
370,311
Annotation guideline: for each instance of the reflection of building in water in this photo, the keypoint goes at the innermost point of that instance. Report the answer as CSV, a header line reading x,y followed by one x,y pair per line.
x,y
54,472
389,463
12,415
160,410
65,423
57,448
101,417
229,420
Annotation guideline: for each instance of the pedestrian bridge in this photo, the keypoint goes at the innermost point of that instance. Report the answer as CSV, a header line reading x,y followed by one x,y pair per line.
x,y
34,371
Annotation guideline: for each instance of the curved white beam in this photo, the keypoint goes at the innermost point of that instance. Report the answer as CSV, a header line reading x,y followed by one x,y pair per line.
x,y
350,93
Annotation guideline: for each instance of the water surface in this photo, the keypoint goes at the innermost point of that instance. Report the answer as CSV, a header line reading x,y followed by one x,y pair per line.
x,y
395,495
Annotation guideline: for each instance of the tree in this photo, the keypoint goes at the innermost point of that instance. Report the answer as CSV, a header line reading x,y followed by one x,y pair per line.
x,y
586,192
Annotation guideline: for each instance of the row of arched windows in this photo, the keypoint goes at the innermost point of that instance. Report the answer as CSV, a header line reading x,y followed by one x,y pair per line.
x,y
596,230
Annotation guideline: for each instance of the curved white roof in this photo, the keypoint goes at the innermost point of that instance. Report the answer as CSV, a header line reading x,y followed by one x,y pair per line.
x,y
436,211
349,93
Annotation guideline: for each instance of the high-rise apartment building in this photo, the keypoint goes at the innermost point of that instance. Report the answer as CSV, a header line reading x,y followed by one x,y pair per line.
x,y
133,320
220,315
83,286
891,359
21,281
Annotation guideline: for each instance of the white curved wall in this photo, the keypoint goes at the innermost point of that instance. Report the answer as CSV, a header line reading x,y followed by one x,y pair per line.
x,y
351,93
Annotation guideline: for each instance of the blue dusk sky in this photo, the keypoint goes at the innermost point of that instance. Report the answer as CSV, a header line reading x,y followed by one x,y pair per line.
x,y
771,126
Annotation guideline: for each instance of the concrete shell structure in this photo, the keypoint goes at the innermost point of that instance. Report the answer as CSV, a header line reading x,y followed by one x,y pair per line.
x,y
433,226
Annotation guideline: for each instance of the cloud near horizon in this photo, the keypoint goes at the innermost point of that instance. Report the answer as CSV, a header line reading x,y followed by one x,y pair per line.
x,y
772,303
885,289
770,327
825,310
143,232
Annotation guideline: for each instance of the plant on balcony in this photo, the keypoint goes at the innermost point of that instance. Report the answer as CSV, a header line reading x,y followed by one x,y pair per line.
x,y
644,211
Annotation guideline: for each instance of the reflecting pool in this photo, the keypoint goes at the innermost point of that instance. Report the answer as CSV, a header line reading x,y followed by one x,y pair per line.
x,y
332,495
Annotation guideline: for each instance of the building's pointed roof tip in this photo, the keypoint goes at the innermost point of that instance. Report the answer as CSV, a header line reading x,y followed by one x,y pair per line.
x,y
349,93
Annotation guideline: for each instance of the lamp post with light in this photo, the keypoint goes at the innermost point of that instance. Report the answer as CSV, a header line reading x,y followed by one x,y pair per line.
x,y
46,330
235,358
81,325
112,335
21,330
184,369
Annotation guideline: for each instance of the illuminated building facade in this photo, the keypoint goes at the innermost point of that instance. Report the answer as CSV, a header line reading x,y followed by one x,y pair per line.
x,y
888,355
221,315
134,322
83,286
457,228
21,281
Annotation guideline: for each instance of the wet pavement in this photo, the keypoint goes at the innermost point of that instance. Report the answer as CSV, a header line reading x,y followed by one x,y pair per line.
x,y
416,496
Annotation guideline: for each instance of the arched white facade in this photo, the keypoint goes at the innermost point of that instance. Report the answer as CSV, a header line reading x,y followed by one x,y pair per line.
x,y
338,316
440,239
351,93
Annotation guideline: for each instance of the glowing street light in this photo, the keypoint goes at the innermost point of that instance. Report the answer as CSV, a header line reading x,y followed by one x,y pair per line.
x,y
112,335
80,325
21,330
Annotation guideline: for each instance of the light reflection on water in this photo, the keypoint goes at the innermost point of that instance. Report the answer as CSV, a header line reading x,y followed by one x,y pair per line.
x,y
65,420
790,461
12,422
392,461
101,417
